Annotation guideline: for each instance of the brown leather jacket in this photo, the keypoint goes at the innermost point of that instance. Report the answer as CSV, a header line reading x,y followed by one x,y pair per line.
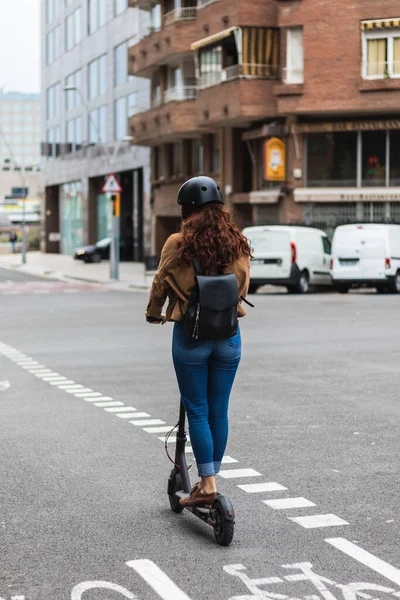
x,y
175,282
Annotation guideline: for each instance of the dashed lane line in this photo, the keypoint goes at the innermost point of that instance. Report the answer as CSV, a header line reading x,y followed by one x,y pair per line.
x,y
157,579
154,425
315,521
287,503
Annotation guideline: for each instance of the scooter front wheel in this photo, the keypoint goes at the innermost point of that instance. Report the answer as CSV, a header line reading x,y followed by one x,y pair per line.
x,y
223,527
174,485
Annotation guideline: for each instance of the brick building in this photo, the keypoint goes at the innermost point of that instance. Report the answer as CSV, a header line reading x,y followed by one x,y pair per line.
x,y
292,105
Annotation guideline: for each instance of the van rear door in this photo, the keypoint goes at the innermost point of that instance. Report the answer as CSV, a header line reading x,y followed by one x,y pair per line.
x,y
347,254
272,254
372,253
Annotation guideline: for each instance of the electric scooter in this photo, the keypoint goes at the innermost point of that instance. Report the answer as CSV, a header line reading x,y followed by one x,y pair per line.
x,y
220,515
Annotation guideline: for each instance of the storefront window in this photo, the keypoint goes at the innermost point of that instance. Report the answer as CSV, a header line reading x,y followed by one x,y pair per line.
x,y
394,158
332,160
71,216
373,158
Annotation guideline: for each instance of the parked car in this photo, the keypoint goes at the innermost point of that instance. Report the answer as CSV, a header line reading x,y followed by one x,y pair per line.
x,y
292,256
366,255
101,250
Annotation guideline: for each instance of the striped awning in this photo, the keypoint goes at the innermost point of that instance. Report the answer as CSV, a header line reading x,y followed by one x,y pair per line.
x,y
212,39
393,23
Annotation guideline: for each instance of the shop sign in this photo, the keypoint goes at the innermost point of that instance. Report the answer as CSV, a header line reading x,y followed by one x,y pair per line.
x,y
346,126
346,195
274,160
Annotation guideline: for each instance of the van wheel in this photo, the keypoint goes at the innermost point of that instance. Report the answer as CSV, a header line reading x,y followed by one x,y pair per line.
x,y
395,287
343,289
303,285
253,287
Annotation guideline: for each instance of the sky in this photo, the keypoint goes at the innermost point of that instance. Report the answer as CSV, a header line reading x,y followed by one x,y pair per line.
x,y
20,45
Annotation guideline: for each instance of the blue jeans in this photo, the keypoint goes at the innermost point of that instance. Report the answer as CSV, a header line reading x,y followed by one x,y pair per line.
x,y
205,371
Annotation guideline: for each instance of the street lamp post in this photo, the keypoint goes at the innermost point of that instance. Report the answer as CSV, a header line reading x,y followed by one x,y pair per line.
x,y
111,158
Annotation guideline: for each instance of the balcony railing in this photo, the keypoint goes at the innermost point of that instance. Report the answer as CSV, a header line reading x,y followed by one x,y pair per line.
x,y
203,3
180,14
180,93
245,71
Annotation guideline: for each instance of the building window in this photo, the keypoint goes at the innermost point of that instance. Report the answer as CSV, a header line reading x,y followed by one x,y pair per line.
x,y
97,74
159,163
97,14
53,45
197,157
73,98
98,126
53,101
175,159
211,67
74,133
120,118
381,54
394,141
373,171
120,6
332,160
53,142
215,153
52,11
73,29
294,56
121,64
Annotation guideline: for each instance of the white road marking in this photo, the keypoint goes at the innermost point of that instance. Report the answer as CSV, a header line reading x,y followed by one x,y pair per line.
x,y
102,399
172,439
114,410
313,521
163,429
64,383
73,388
149,422
137,415
285,503
228,460
73,291
232,473
188,449
254,488
369,560
58,380
11,293
4,385
80,589
88,394
157,579
43,371
35,369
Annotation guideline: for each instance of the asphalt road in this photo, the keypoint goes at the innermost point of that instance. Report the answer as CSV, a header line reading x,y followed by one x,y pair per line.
x,y
315,410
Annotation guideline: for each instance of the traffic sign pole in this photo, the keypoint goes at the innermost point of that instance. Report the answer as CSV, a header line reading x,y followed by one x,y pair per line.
x,y
112,186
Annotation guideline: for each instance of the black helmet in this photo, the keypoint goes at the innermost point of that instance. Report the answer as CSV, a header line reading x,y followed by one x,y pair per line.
x,y
198,191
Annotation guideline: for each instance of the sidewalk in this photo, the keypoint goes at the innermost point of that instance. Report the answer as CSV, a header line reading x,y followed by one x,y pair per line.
x,y
59,266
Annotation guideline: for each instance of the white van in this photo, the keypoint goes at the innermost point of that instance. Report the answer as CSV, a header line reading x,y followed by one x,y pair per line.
x,y
293,256
366,255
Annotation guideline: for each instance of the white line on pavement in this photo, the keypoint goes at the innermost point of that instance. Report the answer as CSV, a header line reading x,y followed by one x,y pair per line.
x,y
102,399
149,422
254,488
285,503
114,410
163,429
34,369
64,383
71,389
228,460
157,579
71,291
172,439
188,449
86,393
43,371
313,521
137,415
369,560
239,473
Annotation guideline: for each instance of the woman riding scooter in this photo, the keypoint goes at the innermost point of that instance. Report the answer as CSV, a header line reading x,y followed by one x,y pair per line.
x,y
205,369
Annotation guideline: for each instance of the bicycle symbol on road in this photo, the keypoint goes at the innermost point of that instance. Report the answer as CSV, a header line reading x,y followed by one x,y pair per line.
x,y
350,591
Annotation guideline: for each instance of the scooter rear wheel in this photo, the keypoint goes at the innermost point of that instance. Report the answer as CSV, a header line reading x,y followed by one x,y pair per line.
x,y
223,528
175,485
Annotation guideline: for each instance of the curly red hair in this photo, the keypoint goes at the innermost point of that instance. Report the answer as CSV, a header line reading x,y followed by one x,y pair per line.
x,y
210,235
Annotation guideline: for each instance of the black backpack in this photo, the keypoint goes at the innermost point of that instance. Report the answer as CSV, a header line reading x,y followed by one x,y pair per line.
x,y
212,313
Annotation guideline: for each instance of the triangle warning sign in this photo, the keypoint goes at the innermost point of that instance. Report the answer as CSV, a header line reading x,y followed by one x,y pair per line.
x,y
111,185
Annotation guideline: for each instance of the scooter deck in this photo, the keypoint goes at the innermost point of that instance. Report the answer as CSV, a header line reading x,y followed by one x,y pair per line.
x,y
200,509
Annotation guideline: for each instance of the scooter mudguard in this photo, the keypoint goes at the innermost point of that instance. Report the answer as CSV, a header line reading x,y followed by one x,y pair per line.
x,y
226,507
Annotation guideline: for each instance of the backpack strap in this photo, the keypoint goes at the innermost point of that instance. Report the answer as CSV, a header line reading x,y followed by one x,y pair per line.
x,y
197,267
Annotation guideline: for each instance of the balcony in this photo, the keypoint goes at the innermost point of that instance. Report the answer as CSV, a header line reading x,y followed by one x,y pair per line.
x,y
237,101
165,121
246,71
157,46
